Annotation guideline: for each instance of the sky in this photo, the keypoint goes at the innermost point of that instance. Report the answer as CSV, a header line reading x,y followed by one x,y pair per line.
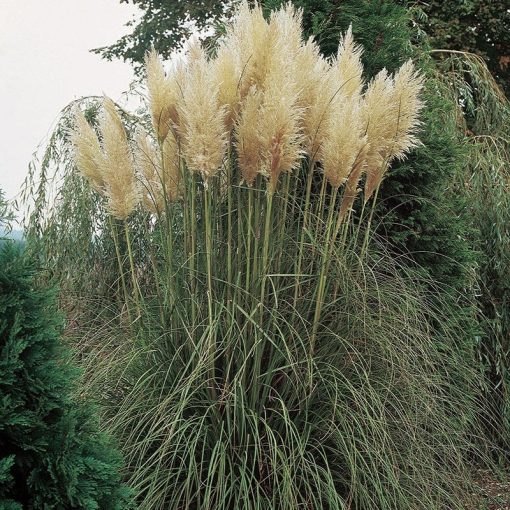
x,y
45,62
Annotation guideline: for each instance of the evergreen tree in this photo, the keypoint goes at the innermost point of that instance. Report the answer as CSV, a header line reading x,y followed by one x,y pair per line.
x,y
52,454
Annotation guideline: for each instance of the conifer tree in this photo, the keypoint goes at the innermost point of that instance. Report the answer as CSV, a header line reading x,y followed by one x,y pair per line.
x,y
52,453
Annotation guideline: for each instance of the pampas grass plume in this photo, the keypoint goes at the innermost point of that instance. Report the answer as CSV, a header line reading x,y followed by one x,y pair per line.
x,y
159,171
392,107
121,186
164,95
203,118
88,154
226,74
343,141
247,137
348,67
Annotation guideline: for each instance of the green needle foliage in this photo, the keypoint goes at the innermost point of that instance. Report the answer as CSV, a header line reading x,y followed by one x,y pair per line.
x,y
52,453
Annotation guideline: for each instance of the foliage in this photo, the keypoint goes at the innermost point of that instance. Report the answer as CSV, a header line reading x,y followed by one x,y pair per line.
x,y
483,113
52,454
481,27
6,215
362,422
164,26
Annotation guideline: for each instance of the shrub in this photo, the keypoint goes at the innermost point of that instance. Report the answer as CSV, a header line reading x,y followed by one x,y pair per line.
x,y
52,453
269,355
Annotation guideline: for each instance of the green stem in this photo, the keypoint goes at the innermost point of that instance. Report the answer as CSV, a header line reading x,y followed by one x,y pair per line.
x,y
360,222
265,247
192,226
136,289
258,350
113,228
320,204
248,234
208,255
229,226
303,231
326,256
255,232
280,241
345,229
369,225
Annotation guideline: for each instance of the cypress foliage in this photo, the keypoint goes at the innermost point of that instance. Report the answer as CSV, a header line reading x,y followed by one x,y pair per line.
x,y
52,454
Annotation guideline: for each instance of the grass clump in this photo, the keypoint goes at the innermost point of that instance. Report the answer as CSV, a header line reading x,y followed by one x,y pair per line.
x,y
373,419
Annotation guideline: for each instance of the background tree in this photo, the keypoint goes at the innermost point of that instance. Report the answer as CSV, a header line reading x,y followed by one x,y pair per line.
x,y
476,26
165,26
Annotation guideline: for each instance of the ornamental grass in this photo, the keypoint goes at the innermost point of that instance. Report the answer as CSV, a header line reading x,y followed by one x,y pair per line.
x,y
273,358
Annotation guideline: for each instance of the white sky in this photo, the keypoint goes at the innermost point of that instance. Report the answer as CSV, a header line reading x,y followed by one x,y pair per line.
x,y
45,63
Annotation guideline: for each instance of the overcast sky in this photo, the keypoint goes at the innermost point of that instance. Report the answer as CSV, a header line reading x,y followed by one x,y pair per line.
x,y
45,63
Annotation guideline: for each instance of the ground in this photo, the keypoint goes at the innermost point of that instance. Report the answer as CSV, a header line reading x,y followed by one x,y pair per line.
x,y
489,492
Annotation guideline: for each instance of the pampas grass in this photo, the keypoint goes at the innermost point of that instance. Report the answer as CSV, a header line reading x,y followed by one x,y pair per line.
x,y
263,367
89,157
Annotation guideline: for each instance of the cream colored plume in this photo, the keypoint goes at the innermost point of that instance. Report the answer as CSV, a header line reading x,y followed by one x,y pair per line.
x,y
121,187
379,122
344,140
407,88
164,95
348,67
88,154
391,113
249,34
285,26
280,136
203,118
316,87
147,165
268,136
159,171
247,137
226,74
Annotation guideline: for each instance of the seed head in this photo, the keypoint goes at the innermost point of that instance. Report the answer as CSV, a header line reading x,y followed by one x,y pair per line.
x,y
226,74
203,118
344,139
391,114
164,95
121,186
348,67
280,136
88,154
247,137
159,171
